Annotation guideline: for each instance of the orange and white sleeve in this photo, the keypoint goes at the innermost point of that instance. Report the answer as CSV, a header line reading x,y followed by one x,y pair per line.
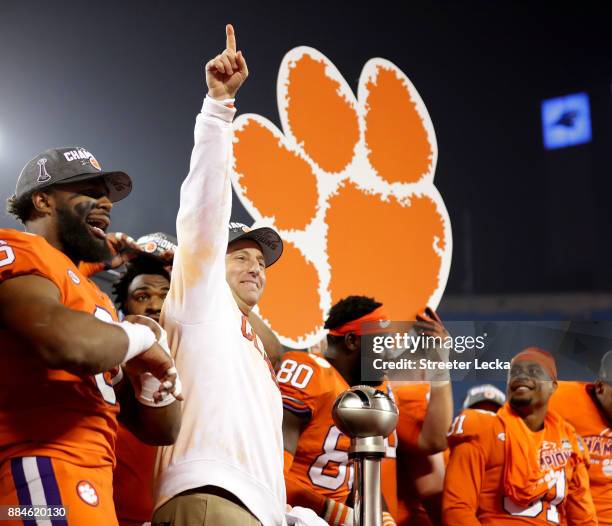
x,y
300,385
464,474
19,257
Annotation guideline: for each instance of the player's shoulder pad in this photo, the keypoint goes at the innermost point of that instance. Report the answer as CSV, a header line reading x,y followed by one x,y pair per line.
x,y
304,372
569,398
23,253
474,425
313,360
20,238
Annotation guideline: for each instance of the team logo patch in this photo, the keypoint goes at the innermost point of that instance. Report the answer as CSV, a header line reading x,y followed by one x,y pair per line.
x,y
553,457
150,247
88,493
76,280
43,175
94,162
502,437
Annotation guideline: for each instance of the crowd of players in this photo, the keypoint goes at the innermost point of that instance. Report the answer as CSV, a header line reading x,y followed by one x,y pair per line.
x,y
208,420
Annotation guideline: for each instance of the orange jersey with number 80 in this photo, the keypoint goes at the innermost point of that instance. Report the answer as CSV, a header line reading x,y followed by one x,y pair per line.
x,y
45,412
310,385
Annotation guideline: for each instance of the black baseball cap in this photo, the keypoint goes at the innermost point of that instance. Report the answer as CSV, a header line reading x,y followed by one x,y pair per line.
x,y
605,371
267,238
157,243
484,393
68,165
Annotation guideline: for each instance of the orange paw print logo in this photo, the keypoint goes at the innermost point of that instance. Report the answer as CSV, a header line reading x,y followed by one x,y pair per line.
x,y
348,184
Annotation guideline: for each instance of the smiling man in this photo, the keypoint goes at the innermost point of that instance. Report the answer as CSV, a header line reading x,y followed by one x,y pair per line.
x,y
523,465
226,466
58,408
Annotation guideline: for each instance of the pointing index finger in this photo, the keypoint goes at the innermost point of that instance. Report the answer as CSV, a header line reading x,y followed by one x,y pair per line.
x,y
230,42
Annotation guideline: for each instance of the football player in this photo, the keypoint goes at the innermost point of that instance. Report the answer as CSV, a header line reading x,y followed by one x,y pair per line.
x,y
61,337
317,471
588,407
522,465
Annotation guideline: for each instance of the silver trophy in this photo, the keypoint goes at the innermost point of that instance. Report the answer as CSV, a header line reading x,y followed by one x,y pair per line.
x,y
367,416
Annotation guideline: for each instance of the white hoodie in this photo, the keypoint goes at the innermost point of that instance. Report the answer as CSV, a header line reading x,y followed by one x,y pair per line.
x,y
231,433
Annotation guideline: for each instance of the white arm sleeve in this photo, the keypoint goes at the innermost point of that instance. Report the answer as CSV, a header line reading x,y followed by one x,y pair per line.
x,y
198,272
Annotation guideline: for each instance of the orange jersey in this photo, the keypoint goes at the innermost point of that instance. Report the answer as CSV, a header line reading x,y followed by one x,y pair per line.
x,y
575,402
412,400
133,479
474,485
45,412
310,385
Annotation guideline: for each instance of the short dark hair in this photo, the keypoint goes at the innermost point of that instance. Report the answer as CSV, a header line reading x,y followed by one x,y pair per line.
x,y
22,208
144,264
349,309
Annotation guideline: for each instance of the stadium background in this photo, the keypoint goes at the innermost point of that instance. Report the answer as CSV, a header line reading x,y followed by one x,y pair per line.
x,y
530,225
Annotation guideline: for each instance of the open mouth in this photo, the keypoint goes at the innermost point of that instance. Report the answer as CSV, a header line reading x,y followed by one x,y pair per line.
x,y
521,386
98,225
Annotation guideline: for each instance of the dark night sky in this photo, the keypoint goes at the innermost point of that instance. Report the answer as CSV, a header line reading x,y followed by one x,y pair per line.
x,y
124,79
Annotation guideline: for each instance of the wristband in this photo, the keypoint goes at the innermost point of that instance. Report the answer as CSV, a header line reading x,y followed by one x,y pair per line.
x,y
387,519
141,338
149,385
337,514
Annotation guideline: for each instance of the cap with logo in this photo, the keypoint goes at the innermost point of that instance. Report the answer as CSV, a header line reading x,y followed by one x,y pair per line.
x,y
158,243
484,393
69,165
267,238
605,370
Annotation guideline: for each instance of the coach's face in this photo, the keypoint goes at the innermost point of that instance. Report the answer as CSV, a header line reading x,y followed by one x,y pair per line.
x,y
529,385
245,272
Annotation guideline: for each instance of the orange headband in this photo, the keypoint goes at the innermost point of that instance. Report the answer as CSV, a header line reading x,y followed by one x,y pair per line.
x,y
544,358
377,315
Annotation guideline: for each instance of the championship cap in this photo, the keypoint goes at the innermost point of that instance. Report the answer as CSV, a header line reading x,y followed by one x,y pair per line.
x,y
158,243
484,393
605,370
68,165
267,238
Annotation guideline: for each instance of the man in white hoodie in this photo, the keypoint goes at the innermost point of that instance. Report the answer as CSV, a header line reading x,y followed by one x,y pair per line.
x,y
226,466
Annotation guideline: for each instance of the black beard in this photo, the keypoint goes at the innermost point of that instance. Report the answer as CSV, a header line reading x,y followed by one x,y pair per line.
x,y
520,403
77,241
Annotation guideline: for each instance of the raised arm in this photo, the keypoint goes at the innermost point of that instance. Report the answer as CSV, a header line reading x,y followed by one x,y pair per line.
x,y
432,438
205,201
